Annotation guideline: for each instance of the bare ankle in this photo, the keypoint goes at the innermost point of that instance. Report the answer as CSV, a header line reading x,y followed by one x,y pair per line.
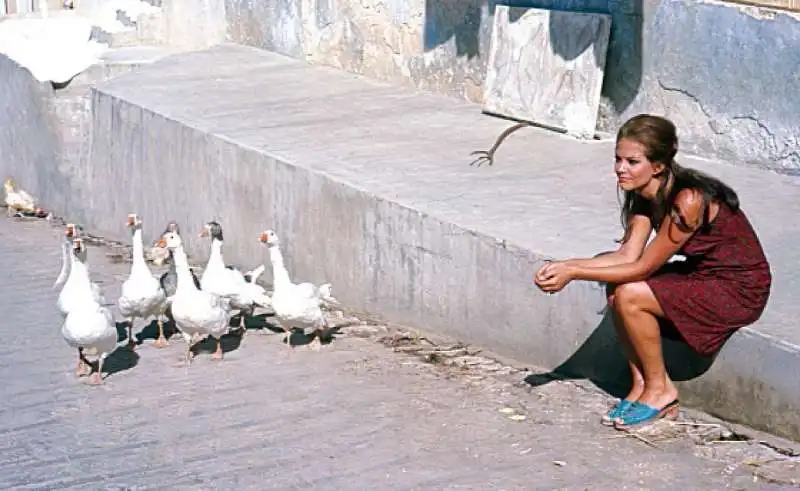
x,y
636,391
660,387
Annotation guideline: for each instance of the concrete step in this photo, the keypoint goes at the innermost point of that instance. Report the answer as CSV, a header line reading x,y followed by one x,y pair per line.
x,y
369,187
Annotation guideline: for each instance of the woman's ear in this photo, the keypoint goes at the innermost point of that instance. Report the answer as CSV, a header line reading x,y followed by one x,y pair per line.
x,y
658,169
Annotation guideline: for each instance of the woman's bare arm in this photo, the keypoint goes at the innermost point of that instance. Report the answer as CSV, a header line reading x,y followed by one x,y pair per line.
x,y
628,252
669,240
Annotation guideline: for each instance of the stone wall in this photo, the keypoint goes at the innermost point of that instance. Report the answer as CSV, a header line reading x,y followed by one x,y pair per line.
x,y
30,140
665,56
728,75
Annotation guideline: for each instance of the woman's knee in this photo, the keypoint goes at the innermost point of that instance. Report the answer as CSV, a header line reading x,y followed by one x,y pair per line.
x,y
631,295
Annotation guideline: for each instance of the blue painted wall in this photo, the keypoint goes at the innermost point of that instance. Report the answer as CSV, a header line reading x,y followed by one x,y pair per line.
x,y
732,76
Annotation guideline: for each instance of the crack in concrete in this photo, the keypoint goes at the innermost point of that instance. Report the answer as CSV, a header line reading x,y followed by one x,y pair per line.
x,y
780,153
788,154
690,96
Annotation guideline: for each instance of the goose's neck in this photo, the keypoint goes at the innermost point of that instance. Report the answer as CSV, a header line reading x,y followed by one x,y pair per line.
x,y
279,272
80,276
185,280
65,251
66,259
71,260
216,258
138,251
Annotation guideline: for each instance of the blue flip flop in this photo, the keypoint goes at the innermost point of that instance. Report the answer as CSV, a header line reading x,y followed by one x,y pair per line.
x,y
616,412
640,414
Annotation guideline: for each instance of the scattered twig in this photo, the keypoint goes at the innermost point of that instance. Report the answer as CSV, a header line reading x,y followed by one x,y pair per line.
x,y
695,423
423,338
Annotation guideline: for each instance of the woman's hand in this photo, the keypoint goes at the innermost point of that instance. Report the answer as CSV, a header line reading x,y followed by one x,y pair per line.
x,y
553,276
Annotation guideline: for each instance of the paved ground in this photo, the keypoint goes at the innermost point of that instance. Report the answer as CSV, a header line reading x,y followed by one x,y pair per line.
x,y
356,416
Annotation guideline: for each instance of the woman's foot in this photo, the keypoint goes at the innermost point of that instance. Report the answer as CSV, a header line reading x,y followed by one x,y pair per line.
x,y
640,414
619,409
652,404
658,396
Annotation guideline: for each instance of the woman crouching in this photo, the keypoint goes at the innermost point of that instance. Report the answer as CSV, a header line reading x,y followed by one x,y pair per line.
x,y
723,284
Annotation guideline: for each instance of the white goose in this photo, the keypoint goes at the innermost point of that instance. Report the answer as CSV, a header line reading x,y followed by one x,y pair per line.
x,y
88,325
169,280
142,296
70,293
295,305
241,288
66,256
196,313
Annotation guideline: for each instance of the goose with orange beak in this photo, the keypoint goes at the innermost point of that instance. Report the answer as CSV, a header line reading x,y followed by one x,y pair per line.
x,y
295,305
88,326
169,279
66,253
69,292
142,296
197,313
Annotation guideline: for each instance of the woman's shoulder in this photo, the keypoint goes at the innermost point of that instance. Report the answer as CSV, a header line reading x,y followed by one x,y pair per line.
x,y
693,185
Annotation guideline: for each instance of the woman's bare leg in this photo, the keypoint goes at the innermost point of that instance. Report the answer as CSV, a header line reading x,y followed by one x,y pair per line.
x,y
634,365
639,310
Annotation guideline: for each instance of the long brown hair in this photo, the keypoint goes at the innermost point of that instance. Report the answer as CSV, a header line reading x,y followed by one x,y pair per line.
x,y
659,138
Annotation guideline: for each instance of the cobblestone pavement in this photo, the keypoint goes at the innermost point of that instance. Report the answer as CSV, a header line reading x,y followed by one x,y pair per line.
x,y
359,415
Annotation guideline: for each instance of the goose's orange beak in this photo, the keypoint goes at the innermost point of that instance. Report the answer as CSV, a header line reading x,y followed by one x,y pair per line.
x,y
263,237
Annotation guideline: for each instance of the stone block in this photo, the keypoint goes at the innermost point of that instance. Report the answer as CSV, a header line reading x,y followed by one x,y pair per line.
x,y
547,67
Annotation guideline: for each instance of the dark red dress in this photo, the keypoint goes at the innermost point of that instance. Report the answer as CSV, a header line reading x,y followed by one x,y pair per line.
x,y
722,286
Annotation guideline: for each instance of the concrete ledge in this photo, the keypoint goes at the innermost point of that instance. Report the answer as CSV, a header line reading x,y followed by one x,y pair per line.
x,y
369,188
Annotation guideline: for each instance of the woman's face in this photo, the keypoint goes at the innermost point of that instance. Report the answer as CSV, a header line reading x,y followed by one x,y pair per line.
x,y
633,169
